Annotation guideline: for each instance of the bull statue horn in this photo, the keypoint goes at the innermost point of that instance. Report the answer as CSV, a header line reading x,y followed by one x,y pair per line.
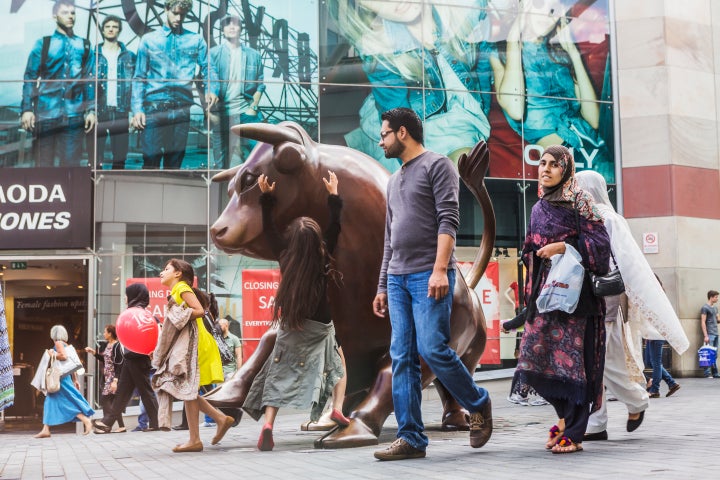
x,y
226,175
268,133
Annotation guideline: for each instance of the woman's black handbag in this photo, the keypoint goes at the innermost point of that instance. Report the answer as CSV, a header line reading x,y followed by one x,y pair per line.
x,y
226,355
606,285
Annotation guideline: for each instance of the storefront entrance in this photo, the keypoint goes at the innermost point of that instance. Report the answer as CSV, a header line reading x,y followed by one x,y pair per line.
x,y
39,293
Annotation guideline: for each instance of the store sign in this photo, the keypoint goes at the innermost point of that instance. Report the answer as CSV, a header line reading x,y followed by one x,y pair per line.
x,y
487,290
258,299
46,208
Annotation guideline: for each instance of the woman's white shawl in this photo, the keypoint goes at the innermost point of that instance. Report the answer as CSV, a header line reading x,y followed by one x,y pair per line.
x,y
649,309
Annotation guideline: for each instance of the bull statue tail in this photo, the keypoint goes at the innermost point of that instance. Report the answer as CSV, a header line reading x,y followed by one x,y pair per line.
x,y
473,167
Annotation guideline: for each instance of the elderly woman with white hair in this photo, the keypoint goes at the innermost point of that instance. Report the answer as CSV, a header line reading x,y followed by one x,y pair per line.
x,y
67,404
648,313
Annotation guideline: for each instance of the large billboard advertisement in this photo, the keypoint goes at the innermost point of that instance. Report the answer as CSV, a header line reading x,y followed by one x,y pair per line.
x,y
518,75
131,85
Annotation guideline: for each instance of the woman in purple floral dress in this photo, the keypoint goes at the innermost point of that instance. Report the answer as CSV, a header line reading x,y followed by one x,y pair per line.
x,y
562,354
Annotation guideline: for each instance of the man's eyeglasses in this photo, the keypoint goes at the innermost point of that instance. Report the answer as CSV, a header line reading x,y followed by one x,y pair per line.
x,y
386,133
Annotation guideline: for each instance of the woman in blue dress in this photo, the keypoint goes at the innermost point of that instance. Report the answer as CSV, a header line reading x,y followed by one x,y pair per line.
x,y
67,404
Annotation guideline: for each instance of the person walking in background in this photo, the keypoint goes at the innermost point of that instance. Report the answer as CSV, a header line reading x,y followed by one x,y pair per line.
x,y
416,283
186,357
235,346
302,314
116,66
654,354
67,404
521,393
135,373
709,325
643,307
240,70
58,93
162,91
562,354
112,359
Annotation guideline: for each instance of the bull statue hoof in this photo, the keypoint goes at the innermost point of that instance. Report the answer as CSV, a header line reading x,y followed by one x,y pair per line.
x,y
455,421
357,434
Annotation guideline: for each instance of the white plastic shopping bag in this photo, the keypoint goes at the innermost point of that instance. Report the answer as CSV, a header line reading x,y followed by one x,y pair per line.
x,y
561,289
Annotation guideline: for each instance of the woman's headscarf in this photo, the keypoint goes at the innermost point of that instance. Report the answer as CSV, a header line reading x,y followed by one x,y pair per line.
x,y
566,193
137,295
649,305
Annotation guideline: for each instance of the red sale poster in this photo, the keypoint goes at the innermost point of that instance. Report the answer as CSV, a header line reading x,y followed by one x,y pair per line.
x,y
158,295
258,300
487,290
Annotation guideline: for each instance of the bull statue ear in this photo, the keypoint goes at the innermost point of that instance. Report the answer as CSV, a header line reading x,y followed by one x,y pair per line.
x,y
288,157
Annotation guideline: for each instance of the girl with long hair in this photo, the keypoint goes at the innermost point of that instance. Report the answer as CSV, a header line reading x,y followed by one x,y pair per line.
x,y
179,276
306,366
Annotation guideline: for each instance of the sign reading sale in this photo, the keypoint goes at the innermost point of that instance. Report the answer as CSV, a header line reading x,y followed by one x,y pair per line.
x,y
487,290
158,295
258,299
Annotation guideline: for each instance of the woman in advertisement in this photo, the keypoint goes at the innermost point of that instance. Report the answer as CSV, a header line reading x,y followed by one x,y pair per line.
x,y
422,56
541,58
562,354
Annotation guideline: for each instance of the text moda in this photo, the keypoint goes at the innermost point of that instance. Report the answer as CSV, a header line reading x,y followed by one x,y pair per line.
x,y
32,193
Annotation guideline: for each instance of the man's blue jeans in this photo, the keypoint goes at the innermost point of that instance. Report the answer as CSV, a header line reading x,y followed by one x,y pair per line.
x,y
654,348
61,137
165,137
421,327
712,370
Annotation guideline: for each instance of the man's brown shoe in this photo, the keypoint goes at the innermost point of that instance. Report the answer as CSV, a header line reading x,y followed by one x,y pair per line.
x,y
399,450
481,426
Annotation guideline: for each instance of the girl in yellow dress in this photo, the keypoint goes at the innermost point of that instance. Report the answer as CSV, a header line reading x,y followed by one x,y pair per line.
x,y
178,275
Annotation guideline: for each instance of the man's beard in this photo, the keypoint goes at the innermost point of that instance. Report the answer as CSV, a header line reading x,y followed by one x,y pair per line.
x,y
395,150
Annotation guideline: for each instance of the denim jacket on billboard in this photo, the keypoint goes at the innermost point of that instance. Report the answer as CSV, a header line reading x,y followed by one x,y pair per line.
x,y
552,106
252,72
425,101
125,71
70,59
168,61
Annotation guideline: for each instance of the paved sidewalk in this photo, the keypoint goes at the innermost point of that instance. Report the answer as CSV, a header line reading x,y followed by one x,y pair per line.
x,y
678,440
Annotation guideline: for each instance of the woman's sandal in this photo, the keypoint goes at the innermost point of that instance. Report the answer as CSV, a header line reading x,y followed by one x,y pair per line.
x,y
553,436
565,445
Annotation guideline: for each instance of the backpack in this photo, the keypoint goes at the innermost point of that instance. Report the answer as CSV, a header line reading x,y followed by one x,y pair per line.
x,y
46,49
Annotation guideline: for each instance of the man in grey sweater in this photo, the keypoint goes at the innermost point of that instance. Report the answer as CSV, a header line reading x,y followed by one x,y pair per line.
x,y
416,284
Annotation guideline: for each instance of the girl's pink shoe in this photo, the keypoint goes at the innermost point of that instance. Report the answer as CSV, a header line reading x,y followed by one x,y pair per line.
x,y
265,442
337,417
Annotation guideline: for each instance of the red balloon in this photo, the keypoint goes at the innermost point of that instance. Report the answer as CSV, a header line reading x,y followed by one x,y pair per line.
x,y
137,330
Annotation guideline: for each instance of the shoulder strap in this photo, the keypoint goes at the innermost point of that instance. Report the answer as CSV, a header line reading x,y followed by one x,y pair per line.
x,y
44,52
581,244
86,51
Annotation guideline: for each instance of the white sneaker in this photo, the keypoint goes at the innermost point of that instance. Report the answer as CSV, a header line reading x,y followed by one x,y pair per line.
x,y
518,399
538,401
208,424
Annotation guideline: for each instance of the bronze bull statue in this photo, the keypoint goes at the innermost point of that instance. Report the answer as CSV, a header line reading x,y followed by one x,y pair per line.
x,y
290,157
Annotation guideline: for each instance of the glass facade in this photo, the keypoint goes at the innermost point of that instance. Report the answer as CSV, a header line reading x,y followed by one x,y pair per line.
x,y
146,108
